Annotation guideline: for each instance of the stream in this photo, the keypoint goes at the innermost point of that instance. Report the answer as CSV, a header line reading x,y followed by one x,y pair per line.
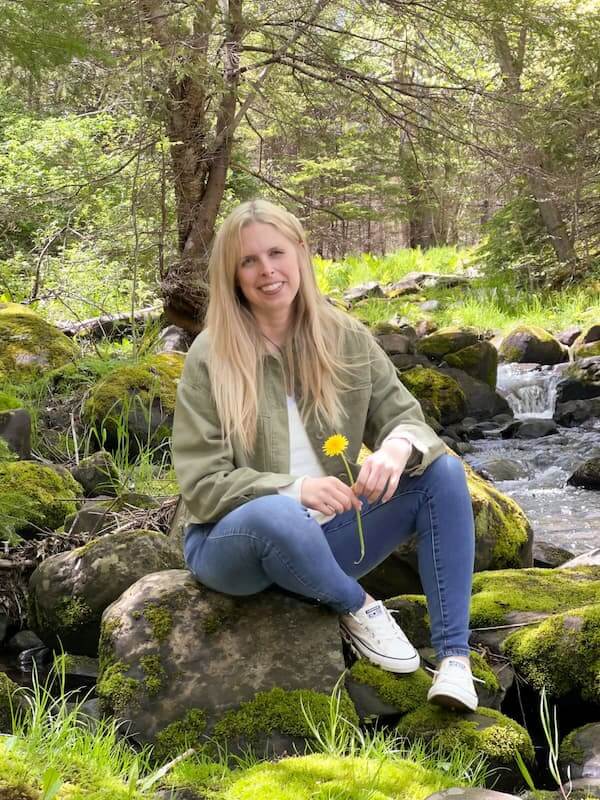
x,y
562,515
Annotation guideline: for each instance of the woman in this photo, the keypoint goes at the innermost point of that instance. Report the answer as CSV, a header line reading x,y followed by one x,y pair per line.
x,y
277,371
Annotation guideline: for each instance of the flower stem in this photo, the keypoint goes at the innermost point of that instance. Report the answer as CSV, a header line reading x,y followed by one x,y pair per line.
x,y
361,537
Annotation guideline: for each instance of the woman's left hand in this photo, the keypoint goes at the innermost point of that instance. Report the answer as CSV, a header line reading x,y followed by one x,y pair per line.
x,y
382,470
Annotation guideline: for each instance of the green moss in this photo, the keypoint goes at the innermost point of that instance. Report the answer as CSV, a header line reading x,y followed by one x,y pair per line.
x,y
154,674
179,736
488,732
482,670
34,496
499,520
587,350
562,653
405,692
72,612
7,690
330,777
151,379
479,360
6,454
29,345
512,351
106,656
116,691
441,391
444,341
548,591
570,751
280,711
8,402
160,620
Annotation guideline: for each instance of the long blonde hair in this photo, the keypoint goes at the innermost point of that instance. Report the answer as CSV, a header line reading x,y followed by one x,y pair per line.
x,y
237,348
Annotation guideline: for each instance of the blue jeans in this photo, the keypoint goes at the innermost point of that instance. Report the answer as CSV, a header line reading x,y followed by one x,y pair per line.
x,y
273,540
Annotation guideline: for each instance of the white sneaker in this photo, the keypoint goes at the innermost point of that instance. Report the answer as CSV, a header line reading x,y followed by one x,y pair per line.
x,y
453,686
372,632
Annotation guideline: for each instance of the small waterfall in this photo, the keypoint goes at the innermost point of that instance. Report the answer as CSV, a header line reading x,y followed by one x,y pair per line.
x,y
530,390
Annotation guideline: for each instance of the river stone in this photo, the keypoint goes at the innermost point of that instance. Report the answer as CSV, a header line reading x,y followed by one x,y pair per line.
x,y
576,389
591,558
445,341
171,647
363,291
394,343
15,429
479,360
98,474
568,336
531,428
549,556
576,411
69,591
472,793
583,788
532,345
483,402
587,475
503,469
580,752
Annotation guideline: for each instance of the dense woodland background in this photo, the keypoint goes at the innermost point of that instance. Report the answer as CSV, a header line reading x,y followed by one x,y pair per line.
x,y
128,130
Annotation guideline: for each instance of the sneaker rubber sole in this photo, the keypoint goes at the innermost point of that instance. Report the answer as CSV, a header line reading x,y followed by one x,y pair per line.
x,y
449,695
362,650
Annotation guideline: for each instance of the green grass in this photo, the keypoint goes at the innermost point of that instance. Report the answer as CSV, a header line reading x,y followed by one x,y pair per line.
x,y
480,305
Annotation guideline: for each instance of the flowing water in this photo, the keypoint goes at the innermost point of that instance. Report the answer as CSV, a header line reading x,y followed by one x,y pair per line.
x,y
563,515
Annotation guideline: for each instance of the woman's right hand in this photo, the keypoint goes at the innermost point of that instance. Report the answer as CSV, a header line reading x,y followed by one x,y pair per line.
x,y
328,495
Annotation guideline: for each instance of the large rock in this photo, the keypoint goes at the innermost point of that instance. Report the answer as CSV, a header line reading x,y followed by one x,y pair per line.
x,y
575,412
183,662
34,498
532,428
503,538
587,475
482,401
98,474
68,592
30,346
579,754
134,404
15,429
486,731
528,344
577,388
588,343
479,360
100,515
440,395
445,341
377,693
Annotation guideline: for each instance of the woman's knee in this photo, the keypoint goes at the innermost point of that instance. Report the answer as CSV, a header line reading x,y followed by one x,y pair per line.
x,y
447,469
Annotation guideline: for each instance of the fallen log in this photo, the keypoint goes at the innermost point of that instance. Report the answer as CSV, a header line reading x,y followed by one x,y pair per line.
x,y
111,326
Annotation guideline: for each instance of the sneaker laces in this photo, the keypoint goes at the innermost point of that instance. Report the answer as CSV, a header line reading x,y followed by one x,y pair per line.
x,y
384,628
436,672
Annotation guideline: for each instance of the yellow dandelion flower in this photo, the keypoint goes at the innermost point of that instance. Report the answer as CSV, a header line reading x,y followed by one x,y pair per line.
x,y
335,445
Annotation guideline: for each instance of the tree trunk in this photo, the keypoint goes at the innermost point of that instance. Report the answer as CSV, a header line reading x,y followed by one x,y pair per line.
x,y
200,157
511,66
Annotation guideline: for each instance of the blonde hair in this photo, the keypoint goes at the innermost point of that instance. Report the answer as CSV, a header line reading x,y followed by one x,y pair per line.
x,y
238,349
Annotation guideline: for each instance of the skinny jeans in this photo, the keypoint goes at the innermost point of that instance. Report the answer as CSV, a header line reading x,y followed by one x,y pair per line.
x,y
274,540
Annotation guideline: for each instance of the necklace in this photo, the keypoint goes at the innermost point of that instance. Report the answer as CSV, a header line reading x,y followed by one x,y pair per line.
x,y
268,338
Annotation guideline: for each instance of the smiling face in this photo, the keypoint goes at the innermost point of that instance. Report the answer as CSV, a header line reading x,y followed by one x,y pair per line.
x,y
268,273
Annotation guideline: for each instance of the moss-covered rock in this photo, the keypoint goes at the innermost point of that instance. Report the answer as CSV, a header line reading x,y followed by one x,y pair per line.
x,y
29,346
479,360
169,646
562,653
398,694
8,402
444,341
580,752
34,497
587,350
7,690
431,388
98,474
325,777
503,534
498,595
529,344
134,404
486,731
68,592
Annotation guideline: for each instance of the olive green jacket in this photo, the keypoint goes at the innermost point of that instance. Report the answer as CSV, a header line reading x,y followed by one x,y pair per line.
x,y
215,476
